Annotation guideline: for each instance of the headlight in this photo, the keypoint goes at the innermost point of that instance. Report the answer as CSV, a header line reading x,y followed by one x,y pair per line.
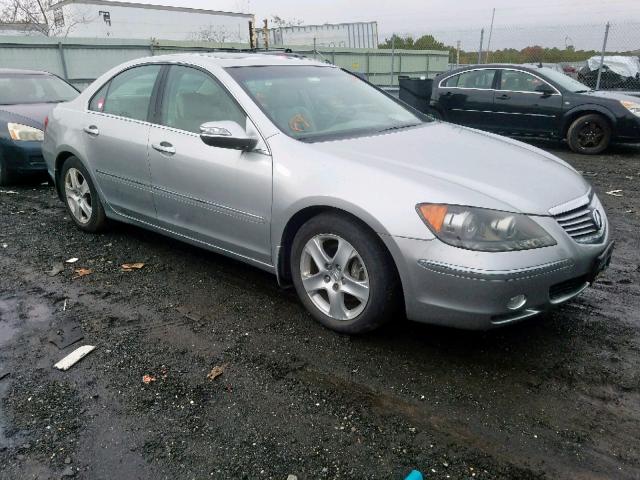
x,y
482,229
633,107
21,132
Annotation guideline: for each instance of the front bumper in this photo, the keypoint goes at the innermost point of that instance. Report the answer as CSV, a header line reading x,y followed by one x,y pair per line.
x,y
460,288
628,129
22,157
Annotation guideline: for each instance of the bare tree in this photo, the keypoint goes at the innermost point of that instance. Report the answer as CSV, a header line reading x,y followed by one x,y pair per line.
x,y
36,15
216,34
277,21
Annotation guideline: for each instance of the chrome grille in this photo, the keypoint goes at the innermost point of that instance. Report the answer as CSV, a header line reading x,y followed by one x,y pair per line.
x,y
580,223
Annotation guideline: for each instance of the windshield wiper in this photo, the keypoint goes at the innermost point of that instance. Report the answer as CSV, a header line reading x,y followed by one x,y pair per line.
x,y
398,127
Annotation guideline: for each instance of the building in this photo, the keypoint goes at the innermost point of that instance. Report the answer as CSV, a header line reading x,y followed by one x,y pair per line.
x,y
340,35
115,19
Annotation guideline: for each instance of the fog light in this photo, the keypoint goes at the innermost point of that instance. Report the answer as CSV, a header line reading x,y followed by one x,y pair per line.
x,y
516,302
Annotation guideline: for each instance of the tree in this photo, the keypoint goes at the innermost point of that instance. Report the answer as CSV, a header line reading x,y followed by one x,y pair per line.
x,y
216,34
36,15
277,21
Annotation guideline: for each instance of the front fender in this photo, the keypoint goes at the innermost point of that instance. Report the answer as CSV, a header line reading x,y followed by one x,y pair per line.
x,y
571,114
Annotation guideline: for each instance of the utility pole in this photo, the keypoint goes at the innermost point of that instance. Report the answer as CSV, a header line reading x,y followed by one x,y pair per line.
x,y
458,53
481,42
493,16
604,49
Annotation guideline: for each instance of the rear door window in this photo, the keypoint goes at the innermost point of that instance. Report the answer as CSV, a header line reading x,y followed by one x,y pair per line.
x,y
128,94
478,79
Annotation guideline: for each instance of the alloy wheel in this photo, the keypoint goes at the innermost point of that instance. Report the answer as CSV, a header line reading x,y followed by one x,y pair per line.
x,y
334,276
78,195
590,135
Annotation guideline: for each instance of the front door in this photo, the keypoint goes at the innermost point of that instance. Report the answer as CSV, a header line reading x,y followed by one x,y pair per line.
x,y
218,196
526,104
116,133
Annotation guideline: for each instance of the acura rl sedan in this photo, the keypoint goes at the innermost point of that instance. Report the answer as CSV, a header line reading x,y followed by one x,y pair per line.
x,y
370,210
26,97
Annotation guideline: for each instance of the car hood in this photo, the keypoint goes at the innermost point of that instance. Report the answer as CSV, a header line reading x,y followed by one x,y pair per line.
x,y
461,165
32,114
612,95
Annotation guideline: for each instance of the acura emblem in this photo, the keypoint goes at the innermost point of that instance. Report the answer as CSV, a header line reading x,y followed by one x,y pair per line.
x,y
597,218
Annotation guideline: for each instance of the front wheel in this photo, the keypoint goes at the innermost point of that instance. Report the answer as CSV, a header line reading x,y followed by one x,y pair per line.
x,y
343,274
589,134
81,196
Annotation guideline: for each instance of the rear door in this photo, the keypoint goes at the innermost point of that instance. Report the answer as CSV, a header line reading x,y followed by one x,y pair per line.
x,y
467,97
215,195
116,131
523,106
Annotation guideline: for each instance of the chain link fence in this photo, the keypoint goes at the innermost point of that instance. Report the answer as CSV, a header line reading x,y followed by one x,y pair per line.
x,y
602,56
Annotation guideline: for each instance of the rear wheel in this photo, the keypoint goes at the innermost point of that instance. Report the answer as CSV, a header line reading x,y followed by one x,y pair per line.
x,y
589,134
343,275
81,197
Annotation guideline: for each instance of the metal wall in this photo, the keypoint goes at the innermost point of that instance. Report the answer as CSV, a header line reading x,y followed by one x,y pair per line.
x,y
336,35
377,64
80,61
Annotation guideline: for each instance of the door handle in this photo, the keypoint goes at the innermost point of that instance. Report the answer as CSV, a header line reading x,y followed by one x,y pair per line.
x,y
504,96
164,147
92,130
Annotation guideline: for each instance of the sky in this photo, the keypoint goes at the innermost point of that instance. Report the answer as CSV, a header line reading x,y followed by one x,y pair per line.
x,y
453,19
432,14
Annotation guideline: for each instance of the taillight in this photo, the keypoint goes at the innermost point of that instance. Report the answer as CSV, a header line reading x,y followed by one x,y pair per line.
x,y
46,122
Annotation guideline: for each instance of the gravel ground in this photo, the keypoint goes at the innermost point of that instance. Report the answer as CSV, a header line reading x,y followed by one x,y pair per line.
x,y
557,397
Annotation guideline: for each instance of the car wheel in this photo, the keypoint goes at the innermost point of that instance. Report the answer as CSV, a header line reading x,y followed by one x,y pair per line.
x,y
343,274
81,197
5,177
589,134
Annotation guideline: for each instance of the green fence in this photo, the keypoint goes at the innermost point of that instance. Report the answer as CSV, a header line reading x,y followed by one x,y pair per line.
x,y
81,60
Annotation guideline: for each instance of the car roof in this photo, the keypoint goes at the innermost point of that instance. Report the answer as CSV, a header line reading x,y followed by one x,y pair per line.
x,y
241,59
16,71
518,66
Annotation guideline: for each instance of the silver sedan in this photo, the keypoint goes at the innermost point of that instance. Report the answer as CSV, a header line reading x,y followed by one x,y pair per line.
x,y
369,209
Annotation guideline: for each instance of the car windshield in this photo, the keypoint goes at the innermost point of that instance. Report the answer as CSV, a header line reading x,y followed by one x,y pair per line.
x,y
25,88
313,103
565,81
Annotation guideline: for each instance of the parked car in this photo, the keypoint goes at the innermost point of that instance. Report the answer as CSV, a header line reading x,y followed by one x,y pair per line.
x,y
516,100
618,73
25,99
299,168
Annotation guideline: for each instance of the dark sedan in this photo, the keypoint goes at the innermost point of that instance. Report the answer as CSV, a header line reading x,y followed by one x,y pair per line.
x,y
26,97
529,101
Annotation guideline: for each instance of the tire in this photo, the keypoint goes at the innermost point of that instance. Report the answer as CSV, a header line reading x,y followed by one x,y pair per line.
x,y
78,189
589,134
5,175
368,264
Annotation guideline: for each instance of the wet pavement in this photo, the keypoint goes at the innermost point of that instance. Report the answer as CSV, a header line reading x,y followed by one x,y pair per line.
x,y
557,397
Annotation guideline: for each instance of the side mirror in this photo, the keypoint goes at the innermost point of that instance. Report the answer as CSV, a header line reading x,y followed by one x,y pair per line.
x,y
545,89
227,134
